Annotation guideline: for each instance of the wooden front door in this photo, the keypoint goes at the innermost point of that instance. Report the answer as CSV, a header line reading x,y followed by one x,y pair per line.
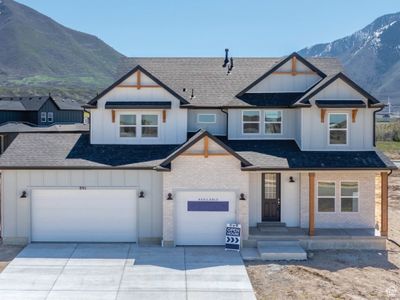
x,y
271,197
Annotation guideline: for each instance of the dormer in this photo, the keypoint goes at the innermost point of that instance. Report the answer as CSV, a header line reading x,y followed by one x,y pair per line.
x,y
138,109
293,74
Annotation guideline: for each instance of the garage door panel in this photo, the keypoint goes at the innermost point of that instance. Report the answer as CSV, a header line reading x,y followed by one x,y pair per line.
x,y
84,215
201,216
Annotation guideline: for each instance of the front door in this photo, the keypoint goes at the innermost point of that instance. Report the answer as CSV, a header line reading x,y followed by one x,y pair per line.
x,y
271,197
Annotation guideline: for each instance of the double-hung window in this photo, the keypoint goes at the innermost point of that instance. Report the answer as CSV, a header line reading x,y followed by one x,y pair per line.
x,y
251,121
338,129
138,125
127,126
326,196
349,196
50,117
273,122
149,126
43,117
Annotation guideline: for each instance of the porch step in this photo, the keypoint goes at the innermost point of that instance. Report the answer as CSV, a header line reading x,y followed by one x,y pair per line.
x,y
281,250
270,224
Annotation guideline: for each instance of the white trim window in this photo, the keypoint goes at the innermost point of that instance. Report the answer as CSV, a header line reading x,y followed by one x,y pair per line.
x,y
43,117
149,123
338,128
326,196
50,117
251,122
273,121
206,118
127,125
349,196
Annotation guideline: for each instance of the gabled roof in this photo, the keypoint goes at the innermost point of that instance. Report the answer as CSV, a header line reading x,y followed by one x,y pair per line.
x,y
35,103
280,64
211,85
193,140
304,101
93,102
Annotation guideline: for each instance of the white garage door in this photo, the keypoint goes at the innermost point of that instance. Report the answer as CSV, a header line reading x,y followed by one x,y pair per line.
x,y
201,217
91,215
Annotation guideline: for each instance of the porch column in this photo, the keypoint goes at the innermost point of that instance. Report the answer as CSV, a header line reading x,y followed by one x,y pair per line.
x,y
384,204
311,205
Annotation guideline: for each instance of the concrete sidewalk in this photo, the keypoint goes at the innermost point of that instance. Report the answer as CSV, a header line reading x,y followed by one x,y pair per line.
x,y
124,271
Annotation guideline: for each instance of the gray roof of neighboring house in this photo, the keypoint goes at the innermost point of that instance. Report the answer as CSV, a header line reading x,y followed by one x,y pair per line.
x,y
12,127
34,103
73,150
211,85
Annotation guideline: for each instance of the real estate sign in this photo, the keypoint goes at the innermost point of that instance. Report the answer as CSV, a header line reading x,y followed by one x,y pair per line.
x,y
232,237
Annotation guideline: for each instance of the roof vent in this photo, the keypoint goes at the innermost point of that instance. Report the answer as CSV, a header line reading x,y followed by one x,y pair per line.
x,y
226,60
184,90
192,95
230,67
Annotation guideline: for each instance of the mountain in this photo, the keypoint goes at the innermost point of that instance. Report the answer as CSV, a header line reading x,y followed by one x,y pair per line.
x,y
38,55
371,56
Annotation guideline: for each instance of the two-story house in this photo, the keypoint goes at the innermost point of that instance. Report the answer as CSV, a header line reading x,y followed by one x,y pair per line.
x,y
179,147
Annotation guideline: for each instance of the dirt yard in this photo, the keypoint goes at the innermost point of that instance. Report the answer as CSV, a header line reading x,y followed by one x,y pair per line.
x,y
337,274
7,254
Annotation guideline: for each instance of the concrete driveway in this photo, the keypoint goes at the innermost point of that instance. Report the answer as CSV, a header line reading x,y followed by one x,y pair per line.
x,y
124,271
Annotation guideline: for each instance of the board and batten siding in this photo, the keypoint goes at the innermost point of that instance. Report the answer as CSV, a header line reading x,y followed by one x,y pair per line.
x,y
315,133
16,223
235,130
59,116
217,128
104,131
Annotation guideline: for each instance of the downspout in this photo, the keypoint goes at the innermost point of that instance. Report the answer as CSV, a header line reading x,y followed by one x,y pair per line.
x,y
374,124
227,121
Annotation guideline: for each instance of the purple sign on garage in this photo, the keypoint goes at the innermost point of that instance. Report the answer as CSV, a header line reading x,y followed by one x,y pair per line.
x,y
208,205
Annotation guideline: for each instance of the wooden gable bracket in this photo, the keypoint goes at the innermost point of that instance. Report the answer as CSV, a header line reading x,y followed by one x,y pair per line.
x,y
138,79
323,112
138,84
164,116
113,116
294,66
354,115
206,146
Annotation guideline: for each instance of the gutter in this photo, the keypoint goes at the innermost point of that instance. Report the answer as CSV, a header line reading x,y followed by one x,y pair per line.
x,y
227,120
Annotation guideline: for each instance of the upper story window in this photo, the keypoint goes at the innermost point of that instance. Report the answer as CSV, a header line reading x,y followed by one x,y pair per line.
x,y
43,117
138,125
349,196
206,118
338,129
127,125
273,121
326,196
50,117
149,125
251,121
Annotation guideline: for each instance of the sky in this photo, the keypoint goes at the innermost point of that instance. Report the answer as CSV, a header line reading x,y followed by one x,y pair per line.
x,y
207,27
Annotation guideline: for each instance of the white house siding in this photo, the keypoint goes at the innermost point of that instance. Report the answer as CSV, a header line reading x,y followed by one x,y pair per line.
x,y
315,134
16,222
104,131
217,128
287,83
364,218
215,173
235,130
290,198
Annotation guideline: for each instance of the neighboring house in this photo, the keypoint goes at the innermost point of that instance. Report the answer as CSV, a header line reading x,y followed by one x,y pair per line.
x,y
33,114
178,147
40,110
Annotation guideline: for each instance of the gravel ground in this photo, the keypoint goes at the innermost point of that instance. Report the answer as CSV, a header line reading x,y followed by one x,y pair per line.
x,y
337,274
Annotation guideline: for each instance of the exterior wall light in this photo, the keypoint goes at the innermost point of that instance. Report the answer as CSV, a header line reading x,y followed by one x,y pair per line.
x,y
141,194
291,179
169,196
242,197
23,194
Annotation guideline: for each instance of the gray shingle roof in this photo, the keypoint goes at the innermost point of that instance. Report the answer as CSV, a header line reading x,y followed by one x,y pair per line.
x,y
10,127
212,86
34,103
73,150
